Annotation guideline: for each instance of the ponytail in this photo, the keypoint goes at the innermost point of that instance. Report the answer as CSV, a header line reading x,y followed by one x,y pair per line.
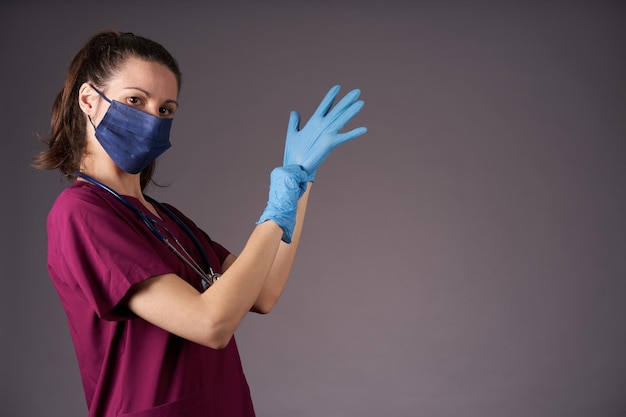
x,y
96,62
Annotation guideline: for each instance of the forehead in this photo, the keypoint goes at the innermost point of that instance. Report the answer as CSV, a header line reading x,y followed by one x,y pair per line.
x,y
150,76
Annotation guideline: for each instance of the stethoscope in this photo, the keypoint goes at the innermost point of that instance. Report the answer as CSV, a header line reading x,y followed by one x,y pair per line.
x,y
209,277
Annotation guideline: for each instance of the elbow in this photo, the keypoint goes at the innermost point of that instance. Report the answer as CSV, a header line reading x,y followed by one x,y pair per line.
x,y
217,343
264,304
261,309
216,335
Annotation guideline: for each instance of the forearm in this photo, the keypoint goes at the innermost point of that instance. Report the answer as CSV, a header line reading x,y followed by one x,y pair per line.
x,y
209,318
281,267
234,294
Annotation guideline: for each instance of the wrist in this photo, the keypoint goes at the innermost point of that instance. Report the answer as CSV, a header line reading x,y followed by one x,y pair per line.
x,y
286,222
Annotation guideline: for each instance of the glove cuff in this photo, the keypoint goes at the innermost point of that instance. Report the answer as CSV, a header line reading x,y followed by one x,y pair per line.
x,y
287,185
286,221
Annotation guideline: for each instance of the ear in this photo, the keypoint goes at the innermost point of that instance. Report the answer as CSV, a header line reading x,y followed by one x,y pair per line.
x,y
88,99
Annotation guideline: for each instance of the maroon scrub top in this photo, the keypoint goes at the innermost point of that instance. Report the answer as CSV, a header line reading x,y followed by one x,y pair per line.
x,y
97,249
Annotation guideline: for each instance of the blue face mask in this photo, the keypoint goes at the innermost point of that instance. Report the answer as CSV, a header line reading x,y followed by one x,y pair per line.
x,y
133,139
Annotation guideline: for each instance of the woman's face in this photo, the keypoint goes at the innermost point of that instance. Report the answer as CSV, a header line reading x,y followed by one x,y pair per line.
x,y
144,85
148,86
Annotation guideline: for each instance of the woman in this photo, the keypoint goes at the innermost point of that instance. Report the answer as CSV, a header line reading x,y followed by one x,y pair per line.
x,y
151,318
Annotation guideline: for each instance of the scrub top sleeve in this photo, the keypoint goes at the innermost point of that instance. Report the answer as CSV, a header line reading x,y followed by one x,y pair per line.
x,y
99,253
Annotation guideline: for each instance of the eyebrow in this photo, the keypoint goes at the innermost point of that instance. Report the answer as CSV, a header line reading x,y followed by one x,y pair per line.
x,y
148,94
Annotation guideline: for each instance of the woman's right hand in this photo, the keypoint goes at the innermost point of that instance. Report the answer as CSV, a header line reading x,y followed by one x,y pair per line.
x,y
287,184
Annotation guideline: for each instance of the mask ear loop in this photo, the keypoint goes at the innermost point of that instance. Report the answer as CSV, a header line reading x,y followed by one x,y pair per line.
x,y
101,94
91,121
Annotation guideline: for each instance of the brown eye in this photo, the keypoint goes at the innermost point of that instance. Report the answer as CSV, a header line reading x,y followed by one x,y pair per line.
x,y
164,111
134,100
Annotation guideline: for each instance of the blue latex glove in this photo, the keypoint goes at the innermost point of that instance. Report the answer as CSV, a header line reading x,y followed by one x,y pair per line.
x,y
309,146
287,184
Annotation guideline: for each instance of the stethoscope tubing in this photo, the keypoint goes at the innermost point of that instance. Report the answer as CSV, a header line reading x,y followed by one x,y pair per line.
x,y
151,223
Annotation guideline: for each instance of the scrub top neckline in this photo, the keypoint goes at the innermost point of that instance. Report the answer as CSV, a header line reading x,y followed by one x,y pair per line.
x,y
134,200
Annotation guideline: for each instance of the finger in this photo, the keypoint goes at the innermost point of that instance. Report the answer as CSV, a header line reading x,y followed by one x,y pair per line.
x,y
294,122
327,102
296,172
347,136
346,116
345,102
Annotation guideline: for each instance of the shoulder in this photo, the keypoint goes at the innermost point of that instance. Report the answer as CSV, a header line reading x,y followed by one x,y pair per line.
x,y
83,201
78,194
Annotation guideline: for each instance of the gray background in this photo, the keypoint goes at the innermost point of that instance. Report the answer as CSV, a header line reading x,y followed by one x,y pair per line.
x,y
466,257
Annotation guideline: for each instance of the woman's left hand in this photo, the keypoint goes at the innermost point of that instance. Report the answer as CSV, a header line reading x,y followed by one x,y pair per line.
x,y
309,146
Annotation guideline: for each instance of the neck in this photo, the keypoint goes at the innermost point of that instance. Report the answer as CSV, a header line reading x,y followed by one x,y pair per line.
x,y
122,189
120,181
97,164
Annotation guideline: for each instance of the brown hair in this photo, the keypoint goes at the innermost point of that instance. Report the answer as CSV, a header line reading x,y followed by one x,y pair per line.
x,y
96,62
